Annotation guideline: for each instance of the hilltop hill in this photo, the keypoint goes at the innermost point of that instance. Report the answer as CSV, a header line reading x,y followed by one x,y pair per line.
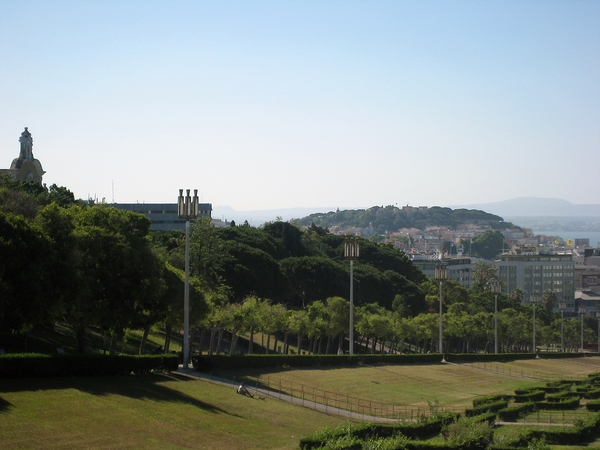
x,y
391,218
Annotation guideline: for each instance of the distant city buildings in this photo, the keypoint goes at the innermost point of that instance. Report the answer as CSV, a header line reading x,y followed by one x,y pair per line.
x,y
163,215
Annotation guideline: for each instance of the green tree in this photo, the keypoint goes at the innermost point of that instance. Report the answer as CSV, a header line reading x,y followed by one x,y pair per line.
x,y
482,275
24,275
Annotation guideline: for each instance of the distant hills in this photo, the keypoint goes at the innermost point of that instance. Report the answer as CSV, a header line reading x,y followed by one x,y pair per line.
x,y
536,207
516,210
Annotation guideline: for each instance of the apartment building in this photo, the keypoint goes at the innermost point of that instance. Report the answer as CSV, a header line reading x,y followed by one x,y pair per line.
x,y
536,270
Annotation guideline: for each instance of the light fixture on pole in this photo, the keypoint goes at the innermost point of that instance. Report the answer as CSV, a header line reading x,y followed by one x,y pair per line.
x,y
441,275
187,208
351,252
534,301
562,305
598,317
582,311
496,287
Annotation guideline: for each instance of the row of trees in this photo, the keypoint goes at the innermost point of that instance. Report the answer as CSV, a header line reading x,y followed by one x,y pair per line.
x,y
96,266
468,324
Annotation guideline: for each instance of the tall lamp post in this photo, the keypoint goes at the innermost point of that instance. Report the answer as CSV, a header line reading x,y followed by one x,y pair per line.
x,y
496,287
187,208
598,316
351,252
534,301
441,275
582,311
562,305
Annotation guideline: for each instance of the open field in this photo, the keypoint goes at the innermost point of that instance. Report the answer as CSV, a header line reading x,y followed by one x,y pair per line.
x,y
451,385
174,412
157,412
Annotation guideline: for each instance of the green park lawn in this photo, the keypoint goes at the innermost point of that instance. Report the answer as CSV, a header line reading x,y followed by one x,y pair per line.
x,y
173,412
153,411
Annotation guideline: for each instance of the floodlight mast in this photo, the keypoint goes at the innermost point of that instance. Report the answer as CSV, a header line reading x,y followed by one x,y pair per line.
x,y
187,208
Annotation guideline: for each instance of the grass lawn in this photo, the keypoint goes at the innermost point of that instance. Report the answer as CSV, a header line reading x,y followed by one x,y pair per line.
x,y
171,411
153,411
450,385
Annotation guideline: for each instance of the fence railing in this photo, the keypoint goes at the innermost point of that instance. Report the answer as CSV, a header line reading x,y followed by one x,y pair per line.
x,y
512,371
312,397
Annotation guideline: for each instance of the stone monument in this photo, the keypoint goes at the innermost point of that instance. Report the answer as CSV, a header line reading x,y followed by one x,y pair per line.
x,y
26,167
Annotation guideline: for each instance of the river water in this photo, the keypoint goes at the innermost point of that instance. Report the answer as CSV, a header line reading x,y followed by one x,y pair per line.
x,y
593,236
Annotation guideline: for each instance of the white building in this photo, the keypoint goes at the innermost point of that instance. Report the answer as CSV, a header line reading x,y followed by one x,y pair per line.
x,y
534,270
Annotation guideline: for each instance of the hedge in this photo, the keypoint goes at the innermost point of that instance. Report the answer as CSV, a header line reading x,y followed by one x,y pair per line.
x,y
562,404
31,365
559,396
589,430
486,407
592,394
490,399
512,413
237,362
593,405
417,430
522,396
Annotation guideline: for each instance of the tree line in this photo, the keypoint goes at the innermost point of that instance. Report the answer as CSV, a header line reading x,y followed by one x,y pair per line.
x,y
92,265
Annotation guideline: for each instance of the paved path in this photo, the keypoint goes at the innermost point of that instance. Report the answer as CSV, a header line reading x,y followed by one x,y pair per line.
x,y
261,392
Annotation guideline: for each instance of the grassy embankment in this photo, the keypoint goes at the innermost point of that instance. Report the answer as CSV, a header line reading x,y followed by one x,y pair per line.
x,y
173,412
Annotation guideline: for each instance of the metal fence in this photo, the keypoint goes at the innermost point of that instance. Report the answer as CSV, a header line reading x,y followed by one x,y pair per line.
x,y
511,371
333,402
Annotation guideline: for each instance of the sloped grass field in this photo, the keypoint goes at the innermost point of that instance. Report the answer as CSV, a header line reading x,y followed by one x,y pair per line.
x,y
174,412
151,412
449,384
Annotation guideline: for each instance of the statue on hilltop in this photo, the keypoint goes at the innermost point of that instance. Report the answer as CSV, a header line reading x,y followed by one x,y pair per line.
x,y
26,145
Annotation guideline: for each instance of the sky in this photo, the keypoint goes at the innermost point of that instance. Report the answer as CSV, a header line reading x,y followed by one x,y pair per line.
x,y
282,104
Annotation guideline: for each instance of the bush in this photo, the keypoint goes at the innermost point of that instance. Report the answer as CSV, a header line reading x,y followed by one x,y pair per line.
x,y
593,405
560,404
30,365
418,430
559,396
490,399
592,394
512,413
583,432
522,396
486,407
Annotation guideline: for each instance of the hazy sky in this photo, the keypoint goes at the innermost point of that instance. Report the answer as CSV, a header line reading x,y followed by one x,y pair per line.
x,y
280,104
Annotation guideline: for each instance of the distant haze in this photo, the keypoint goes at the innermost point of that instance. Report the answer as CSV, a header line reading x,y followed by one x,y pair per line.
x,y
525,207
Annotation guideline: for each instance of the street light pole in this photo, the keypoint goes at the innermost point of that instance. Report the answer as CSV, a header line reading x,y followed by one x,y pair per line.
x,y
351,252
598,316
187,208
496,286
562,305
582,311
534,300
441,274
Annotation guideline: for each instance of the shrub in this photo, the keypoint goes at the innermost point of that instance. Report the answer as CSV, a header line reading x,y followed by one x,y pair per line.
x,y
468,434
529,396
593,405
559,404
490,399
29,365
486,407
512,413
